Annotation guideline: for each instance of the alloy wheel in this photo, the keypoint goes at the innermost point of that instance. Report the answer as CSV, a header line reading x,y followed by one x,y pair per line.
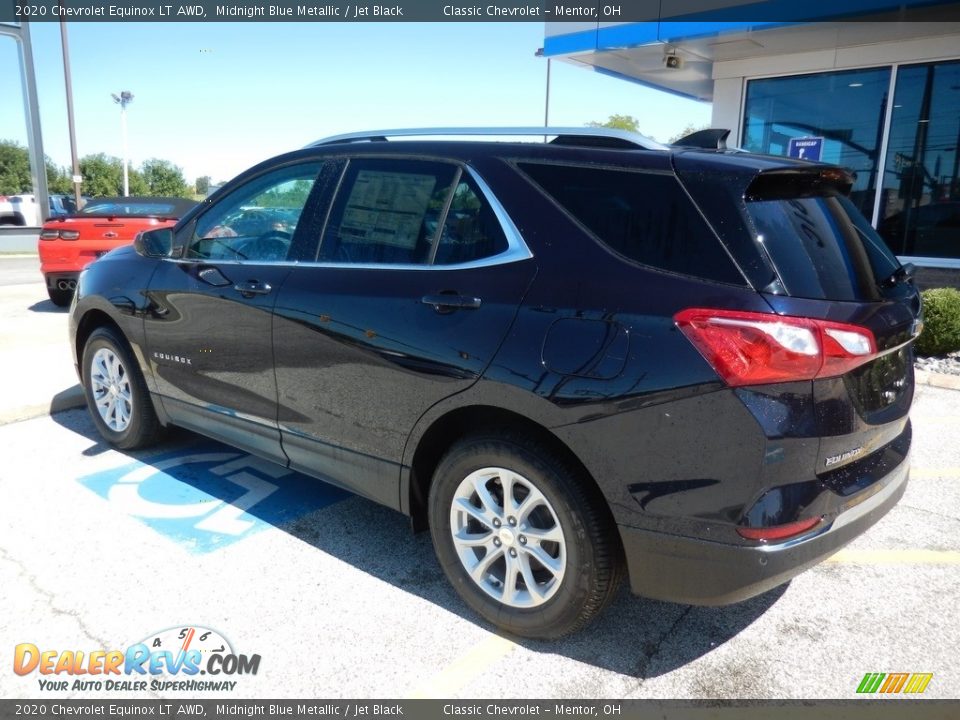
x,y
508,537
110,383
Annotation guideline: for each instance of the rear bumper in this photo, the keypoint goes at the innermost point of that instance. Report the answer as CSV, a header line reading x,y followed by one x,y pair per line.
x,y
702,572
62,257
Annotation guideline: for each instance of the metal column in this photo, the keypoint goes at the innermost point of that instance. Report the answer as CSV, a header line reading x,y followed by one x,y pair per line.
x,y
31,111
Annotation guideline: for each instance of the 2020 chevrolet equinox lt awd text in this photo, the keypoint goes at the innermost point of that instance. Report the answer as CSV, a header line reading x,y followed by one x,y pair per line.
x,y
567,359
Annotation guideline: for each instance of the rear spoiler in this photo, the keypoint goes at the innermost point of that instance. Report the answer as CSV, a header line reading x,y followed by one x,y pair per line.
x,y
710,139
788,183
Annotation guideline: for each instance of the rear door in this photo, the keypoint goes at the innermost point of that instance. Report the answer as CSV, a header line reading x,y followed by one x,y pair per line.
x,y
415,283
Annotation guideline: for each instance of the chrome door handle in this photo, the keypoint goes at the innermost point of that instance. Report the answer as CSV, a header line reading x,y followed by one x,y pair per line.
x,y
447,302
253,287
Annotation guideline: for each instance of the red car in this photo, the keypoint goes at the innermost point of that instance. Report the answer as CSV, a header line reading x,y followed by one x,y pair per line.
x,y
68,244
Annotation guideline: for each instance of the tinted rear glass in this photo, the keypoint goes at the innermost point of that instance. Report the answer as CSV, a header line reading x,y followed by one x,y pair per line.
x,y
822,247
646,217
137,208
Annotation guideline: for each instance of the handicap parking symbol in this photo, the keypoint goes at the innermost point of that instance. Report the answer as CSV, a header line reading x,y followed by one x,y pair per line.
x,y
806,148
210,496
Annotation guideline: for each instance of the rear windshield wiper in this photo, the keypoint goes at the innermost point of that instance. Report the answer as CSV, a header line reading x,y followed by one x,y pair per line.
x,y
902,274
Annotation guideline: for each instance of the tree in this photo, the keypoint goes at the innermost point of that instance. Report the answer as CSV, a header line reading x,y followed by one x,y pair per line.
x,y
59,181
136,181
203,185
15,175
14,168
102,175
162,177
619,122
294,195
690,128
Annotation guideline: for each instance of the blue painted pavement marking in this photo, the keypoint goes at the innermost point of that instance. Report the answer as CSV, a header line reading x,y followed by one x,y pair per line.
x,y
209,495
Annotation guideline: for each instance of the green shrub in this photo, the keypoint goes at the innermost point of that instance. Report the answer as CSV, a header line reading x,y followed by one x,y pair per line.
x,y
941,322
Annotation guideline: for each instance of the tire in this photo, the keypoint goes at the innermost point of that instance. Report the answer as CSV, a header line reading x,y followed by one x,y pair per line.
x,y
574,575
60,298
117,395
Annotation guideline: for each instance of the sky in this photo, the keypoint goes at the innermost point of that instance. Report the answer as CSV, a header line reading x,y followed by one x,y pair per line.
x,y
216,98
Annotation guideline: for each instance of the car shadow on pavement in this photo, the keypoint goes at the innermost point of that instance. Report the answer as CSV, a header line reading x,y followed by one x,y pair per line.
x,y
634,636
46,306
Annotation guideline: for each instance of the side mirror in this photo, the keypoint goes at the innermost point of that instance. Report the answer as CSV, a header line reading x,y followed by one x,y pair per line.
x,y
155,243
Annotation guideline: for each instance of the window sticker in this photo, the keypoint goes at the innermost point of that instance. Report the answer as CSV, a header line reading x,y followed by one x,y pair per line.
x,y
387,208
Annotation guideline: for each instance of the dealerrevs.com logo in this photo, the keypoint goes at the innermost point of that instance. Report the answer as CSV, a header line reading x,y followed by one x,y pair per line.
x,y
169,660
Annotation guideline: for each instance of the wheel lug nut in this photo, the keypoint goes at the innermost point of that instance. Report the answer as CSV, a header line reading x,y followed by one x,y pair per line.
x,y
496,542
523,540
496,522
512,521
513,553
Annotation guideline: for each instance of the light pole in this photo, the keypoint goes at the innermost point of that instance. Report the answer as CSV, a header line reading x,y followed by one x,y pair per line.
x,y
68,83
123,99
546,101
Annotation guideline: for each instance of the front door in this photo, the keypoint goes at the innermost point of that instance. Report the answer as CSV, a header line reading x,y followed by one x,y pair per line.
x,y
209,329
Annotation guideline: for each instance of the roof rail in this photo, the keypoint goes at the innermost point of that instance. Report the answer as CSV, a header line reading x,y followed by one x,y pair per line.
x,y
562,135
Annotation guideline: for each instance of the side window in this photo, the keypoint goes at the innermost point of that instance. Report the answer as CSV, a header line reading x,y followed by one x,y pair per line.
x,y
409,212
471,230
256,222
645,217
387,212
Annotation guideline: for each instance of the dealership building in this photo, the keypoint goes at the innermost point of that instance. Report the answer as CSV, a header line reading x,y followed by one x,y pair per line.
x,y
880,96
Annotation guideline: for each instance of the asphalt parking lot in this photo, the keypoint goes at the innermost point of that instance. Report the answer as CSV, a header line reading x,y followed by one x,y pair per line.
x,y
100,549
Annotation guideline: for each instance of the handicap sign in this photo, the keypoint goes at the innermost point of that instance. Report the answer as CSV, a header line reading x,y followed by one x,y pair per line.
x,y
210,496
805,148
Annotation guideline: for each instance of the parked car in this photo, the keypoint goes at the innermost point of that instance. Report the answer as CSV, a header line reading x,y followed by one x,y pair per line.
x,y
22,210
19,210
63,205
68,243
566,360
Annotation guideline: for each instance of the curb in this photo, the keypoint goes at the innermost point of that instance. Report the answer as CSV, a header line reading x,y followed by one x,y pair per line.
x,y
68,399
940,380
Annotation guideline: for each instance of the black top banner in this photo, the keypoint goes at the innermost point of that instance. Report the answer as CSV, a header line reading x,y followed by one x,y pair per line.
x,y
609,11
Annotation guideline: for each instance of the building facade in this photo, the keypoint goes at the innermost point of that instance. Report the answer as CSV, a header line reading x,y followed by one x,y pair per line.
x,y
880,96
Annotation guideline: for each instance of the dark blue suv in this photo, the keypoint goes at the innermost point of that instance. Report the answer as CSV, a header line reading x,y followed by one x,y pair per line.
x,y
567,359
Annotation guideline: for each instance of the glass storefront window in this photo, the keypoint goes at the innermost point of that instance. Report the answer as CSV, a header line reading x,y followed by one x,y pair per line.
x,y
844,108
920,196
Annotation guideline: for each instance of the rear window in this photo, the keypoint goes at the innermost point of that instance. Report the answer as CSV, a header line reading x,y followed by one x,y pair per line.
x,y
822,247
645,217
137,208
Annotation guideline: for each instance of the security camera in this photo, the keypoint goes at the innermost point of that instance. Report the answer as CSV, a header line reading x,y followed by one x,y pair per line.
x,y
673,62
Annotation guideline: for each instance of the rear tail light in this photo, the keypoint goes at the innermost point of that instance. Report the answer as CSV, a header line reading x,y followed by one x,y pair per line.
x,y
751,348
62,234
779,532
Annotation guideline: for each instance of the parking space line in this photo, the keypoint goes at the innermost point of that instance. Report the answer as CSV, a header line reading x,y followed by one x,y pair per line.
x,y
465,668
924,473
896,557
